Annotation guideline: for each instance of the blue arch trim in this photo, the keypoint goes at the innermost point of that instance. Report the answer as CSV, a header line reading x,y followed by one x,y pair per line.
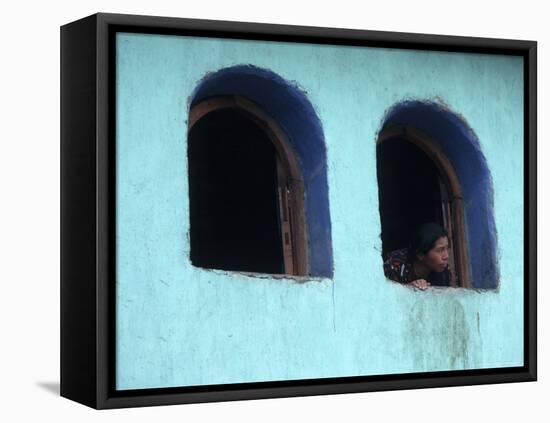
x,y
295,115
461,146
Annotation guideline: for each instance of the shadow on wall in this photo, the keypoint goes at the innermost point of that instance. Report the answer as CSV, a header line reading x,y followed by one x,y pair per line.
x,y
51,387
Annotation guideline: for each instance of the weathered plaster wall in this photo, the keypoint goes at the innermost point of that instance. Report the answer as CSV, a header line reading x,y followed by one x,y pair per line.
x,y
178,325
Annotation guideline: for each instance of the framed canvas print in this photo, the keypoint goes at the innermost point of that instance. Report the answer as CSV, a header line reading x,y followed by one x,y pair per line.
x,y
255,211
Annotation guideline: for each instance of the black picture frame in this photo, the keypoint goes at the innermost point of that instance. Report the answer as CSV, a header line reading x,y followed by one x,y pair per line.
x,y
88,214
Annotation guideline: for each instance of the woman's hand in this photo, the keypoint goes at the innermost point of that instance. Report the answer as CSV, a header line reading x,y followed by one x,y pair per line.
x,y
420,284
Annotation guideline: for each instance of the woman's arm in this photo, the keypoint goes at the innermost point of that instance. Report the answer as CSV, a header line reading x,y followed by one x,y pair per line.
x,y
420,284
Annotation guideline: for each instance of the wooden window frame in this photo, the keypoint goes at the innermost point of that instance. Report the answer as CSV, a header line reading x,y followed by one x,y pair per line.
x,y
289,177
453,209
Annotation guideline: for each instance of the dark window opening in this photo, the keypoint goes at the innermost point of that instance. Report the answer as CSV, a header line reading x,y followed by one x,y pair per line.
x,y
409,191
236,197
412,191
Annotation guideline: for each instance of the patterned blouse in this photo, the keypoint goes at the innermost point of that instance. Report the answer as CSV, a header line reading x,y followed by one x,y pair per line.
x,y
399,268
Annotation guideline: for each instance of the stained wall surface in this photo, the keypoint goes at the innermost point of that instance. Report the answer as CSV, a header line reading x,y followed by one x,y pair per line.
x,y
179,325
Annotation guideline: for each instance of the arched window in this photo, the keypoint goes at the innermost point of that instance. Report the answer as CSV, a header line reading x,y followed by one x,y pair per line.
x,y
246,190
430,168
417,184
257,176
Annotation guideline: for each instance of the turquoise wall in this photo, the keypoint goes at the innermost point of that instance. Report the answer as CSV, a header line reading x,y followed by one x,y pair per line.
x,y
178,325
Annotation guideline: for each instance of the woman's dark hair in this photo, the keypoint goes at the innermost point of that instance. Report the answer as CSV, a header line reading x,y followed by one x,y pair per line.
x,y
424,238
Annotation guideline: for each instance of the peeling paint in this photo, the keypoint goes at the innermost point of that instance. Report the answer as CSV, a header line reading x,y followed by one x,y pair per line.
x,y
438,336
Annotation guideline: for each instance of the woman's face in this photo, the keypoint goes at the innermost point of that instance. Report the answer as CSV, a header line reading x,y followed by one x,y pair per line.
x,y
437,259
